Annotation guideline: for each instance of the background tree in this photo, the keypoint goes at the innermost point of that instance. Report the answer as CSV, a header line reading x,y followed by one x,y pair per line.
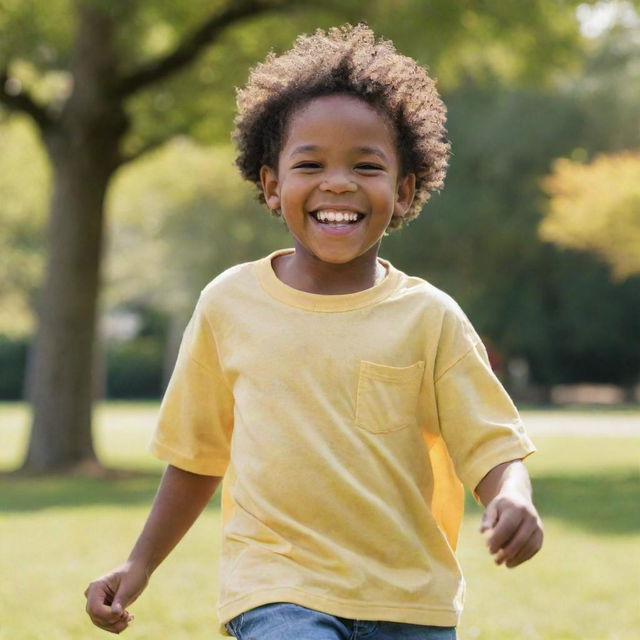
x,y
107,82
24,184
88,135
596,207
167,212
558,309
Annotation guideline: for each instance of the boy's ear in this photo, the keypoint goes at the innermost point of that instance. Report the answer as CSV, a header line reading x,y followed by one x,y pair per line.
x,y
404,194
269,182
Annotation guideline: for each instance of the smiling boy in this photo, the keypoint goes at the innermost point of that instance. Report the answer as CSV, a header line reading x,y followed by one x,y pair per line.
x,y
338,185
343,402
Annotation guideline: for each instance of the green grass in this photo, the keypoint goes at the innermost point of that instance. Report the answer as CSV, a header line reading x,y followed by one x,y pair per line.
x,y
56,534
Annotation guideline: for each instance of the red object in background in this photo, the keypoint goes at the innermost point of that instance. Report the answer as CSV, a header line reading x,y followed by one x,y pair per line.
x,y
496,359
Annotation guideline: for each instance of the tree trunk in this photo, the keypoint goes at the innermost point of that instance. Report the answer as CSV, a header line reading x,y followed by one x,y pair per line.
x,y
83,149
62,380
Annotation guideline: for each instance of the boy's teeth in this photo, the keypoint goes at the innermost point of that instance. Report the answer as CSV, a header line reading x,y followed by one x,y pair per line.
x,y
336,216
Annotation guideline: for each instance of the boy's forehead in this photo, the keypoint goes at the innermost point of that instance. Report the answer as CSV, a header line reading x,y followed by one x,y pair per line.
x,y
339,121
363,149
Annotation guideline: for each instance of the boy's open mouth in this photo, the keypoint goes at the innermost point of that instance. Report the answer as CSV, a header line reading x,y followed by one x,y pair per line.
x,y
336,218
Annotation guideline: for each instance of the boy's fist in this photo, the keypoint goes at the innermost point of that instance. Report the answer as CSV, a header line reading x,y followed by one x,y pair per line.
x,y
512,528
108,596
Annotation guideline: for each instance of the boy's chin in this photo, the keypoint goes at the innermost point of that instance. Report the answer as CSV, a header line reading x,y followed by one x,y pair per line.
x,y
338,258
337,255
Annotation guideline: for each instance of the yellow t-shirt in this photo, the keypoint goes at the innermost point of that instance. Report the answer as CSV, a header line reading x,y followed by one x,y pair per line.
x,y
343,425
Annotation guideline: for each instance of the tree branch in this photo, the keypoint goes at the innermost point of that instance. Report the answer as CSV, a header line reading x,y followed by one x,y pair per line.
x,y
144,148
17,99
193,45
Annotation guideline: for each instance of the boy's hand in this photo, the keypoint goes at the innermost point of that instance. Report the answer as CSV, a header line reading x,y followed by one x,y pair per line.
x,y
513,529
108,596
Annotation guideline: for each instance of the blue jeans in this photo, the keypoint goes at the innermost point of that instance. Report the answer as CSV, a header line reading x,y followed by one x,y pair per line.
x,y
285,621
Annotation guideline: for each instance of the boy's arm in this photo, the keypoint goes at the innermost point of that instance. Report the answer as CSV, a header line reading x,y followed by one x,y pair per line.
x,y
180,499
510,519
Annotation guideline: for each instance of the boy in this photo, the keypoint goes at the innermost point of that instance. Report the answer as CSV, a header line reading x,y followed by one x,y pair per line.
x,y
339,398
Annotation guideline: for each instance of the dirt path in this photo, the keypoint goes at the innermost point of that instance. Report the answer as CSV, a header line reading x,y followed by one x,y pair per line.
x,y
589,423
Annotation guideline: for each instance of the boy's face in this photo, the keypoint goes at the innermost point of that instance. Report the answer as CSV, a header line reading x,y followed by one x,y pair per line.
x,y
338,162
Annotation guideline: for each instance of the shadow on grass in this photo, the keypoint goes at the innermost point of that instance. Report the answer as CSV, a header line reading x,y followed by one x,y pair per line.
x,y
21,494
599,503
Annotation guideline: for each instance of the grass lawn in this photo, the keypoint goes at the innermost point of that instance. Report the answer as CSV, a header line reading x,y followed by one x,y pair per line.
x,y
57,534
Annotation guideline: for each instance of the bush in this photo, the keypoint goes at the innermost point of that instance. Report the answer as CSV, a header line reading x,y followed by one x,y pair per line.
x,y
13,364
134,368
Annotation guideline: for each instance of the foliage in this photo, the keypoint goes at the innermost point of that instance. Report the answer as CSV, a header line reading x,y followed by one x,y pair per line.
x,y
495,41
478,241
605,92
24,183
13,362
134,368
181,216
479,238
596,207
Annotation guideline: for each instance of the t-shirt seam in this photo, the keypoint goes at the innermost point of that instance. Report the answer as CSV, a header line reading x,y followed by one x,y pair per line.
x,y
202,364
175,453
310,309
264,286
455,362
217,350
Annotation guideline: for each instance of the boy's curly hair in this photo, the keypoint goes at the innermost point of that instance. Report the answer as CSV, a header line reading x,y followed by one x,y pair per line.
x,y
347,60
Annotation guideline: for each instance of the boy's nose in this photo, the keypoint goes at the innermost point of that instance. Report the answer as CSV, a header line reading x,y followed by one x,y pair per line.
x,y
338,184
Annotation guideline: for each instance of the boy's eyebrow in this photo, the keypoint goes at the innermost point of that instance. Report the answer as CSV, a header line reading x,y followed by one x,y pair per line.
x,y
314,147
375,151
304,147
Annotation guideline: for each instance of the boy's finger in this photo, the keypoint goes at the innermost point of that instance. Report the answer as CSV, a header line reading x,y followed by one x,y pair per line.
x,y
98,611
528,550
503,532
118,609
519,540
104,618
120,601
489,518
117,627
101,614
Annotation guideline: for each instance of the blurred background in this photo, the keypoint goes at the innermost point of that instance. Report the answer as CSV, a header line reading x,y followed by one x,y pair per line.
x,y
119,202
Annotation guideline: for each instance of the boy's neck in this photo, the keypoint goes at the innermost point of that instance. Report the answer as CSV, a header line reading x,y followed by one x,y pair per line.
x,y
303,271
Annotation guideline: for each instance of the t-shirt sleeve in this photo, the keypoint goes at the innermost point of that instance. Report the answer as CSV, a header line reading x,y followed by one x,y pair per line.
x,y
195,424
478,421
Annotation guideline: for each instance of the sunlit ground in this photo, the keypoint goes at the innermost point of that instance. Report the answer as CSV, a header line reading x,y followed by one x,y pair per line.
x,y
58,534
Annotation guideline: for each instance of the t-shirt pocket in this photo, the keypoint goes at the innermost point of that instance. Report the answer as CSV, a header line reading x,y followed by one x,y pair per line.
x,y
387,397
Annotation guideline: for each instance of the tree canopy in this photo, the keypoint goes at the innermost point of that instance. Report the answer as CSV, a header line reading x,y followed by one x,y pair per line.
x,y
595,207
24,185
107,83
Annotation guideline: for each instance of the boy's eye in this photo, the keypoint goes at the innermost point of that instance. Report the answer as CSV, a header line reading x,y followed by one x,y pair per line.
x,y
307,165
369,167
